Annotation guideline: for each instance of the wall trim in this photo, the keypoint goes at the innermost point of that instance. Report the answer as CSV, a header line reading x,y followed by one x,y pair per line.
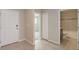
x,y
5,44
2,44
21,40
51,41
29,42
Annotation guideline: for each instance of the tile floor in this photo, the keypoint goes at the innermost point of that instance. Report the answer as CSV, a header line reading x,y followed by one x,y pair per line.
x,y
43,45
18,46
70,41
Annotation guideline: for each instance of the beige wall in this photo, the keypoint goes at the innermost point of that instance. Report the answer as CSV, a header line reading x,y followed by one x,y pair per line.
x,y
29,25
21,25
54,25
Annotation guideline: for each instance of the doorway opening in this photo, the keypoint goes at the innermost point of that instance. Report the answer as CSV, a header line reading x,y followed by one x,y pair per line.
x,y
68,28
37,30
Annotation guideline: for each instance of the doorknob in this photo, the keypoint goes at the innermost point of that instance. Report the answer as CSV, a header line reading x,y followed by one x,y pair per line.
x,y
17,27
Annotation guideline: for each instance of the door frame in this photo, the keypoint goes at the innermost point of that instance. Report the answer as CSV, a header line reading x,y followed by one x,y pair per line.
x,y
40,25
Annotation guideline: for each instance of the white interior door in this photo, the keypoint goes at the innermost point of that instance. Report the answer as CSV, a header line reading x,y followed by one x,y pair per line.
x,y
9,26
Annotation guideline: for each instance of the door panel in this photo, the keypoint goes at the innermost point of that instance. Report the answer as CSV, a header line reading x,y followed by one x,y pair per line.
x,y
9,22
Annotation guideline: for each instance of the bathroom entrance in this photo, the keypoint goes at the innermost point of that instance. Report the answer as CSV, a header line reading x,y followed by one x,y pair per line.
x,y
68,29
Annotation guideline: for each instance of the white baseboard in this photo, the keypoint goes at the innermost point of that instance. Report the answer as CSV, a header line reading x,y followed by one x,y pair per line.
x,y
21,40
30,42
26,41
52,42
6,43
3,44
